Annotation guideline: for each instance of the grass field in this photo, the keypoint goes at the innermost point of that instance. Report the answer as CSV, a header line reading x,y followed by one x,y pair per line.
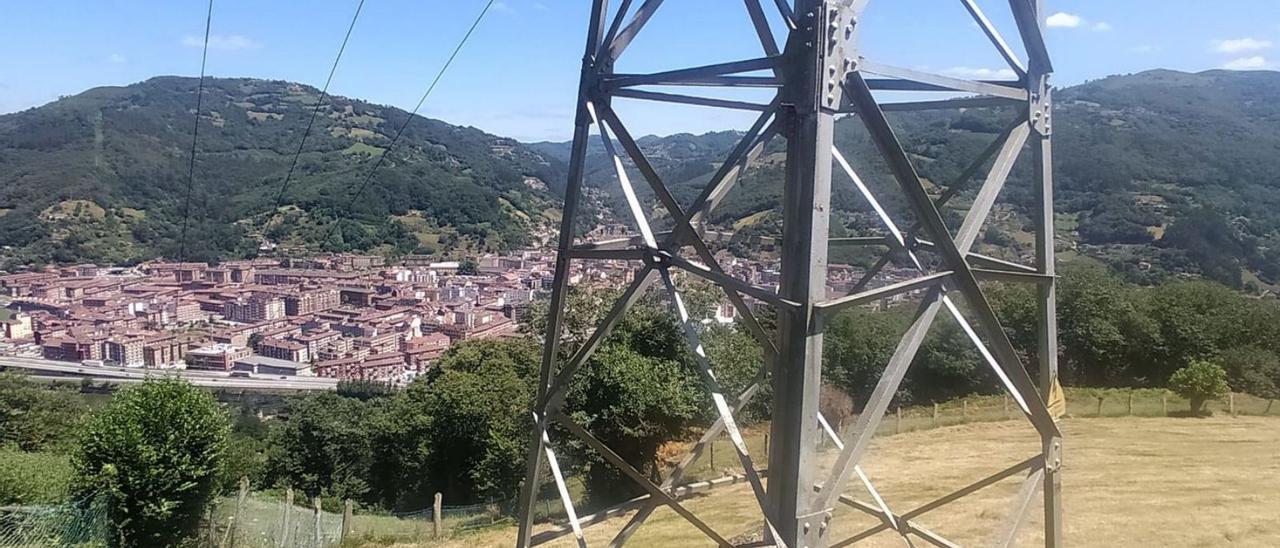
x,y
1131,481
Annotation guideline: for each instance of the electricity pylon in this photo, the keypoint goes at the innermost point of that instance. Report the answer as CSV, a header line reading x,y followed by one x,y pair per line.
x,y
818,74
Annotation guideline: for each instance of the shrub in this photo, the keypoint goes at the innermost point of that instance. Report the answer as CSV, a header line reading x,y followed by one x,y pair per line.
x,y
1199,382
153,453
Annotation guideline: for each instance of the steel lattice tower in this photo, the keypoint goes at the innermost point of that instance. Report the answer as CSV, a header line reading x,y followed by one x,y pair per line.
x,y
818,74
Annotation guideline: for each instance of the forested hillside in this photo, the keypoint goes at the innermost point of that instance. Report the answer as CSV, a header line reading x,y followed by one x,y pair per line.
x,y
102,176
1158,173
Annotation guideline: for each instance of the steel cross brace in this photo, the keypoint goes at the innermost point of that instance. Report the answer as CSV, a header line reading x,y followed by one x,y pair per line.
x,y
660,251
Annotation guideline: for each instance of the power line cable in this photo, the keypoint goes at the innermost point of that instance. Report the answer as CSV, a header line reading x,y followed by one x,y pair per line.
x,y
195,136
412,114
324,93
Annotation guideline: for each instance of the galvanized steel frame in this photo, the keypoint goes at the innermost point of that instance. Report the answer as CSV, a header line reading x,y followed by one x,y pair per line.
x,y
818,75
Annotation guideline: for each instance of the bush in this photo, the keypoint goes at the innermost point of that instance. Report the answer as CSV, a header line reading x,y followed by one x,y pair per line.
x,y
1199,382
154,454
33,478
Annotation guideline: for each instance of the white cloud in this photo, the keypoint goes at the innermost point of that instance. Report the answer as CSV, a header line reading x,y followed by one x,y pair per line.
x,y
1257,62
1064,20
503,7
1240,45
229,42
117,59
980,73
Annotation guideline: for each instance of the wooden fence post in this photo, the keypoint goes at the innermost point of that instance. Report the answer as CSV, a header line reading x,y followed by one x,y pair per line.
x,y
711,454
208,527
315,505
898,425
964,410
435,514
766,444
1130,403
229,539
1268,411
1100,398
284,519
935,415
348,515
1006,407
1164,403
1231,403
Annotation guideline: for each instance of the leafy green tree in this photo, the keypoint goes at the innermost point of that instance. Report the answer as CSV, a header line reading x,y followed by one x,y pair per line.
x,y
634,403
1252,370
35,417
1199,382
154,452
474,413
324,447
468,267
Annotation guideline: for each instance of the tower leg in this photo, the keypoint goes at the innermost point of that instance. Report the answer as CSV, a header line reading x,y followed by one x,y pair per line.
x,y
560,284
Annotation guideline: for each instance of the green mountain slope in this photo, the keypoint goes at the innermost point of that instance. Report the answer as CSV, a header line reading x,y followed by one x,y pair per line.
x,y
1158,173
102,176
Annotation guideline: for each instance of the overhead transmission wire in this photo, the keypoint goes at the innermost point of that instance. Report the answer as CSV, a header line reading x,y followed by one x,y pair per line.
x,y
324,93
195,136
399,132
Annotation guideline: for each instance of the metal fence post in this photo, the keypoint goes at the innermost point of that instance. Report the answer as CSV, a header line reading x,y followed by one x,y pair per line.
x,y
435,515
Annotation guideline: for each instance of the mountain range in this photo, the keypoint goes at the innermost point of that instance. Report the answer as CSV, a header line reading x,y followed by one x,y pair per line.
x,y
1160,173
103,176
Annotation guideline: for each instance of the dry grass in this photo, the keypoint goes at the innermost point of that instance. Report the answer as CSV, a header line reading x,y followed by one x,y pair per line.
x,y
1127,482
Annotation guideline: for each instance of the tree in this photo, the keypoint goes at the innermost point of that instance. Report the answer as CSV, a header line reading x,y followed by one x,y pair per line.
x,y
1252,370
1199,382
154,452
475,405
35,417
324,447
468,267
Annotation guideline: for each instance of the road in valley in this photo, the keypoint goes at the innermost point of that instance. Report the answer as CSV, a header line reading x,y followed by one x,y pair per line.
x,y
41,369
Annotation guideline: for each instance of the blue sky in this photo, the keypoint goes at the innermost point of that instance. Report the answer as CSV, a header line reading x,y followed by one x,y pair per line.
x,y
518,74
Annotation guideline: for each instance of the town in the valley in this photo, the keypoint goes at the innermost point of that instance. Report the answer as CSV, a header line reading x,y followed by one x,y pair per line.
x,y
337,316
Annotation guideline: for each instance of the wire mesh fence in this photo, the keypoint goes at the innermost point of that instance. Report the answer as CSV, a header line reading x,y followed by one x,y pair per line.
x,y
271,519
82,524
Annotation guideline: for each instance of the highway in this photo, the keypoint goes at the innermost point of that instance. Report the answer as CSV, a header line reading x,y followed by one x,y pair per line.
x,y
41,369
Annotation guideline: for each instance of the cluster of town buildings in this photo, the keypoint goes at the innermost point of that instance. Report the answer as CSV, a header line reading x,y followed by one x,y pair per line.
x,y
341,316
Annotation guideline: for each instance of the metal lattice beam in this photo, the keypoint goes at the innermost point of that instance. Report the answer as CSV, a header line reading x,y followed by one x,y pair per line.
x,y
816,74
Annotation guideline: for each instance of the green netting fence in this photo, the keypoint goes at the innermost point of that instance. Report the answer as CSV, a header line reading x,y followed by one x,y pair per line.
x,y
73,524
